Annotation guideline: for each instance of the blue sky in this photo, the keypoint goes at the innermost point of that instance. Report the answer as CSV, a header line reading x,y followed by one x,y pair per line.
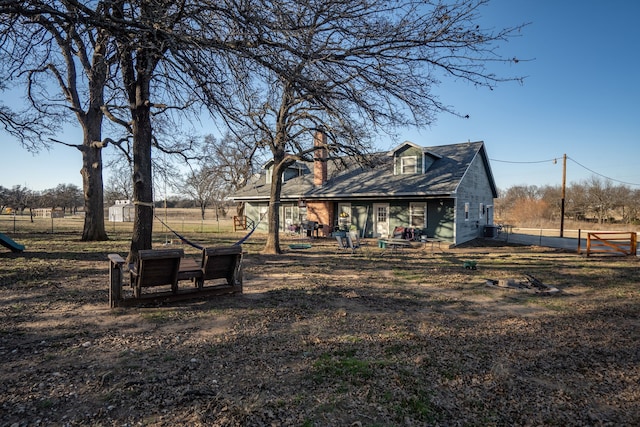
x,y
580,97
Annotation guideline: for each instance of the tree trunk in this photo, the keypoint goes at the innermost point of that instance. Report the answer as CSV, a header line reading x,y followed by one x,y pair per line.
x,y
273,217
92,185
142,188
273,238
94,227
142,171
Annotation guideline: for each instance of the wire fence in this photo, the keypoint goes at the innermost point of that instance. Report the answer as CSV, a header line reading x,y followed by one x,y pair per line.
x,y
23,224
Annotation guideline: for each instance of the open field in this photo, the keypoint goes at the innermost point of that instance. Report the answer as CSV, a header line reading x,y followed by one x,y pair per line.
x,y
180,220
321,338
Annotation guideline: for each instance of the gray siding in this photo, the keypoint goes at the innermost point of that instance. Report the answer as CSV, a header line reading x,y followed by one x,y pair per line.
x,y
440,215
408,152
474,188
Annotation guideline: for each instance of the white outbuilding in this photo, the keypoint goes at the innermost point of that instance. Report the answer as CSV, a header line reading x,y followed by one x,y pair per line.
x,y
122,211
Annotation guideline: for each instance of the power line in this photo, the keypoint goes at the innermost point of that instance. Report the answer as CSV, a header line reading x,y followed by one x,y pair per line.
x,y
538,161
601,175
555,160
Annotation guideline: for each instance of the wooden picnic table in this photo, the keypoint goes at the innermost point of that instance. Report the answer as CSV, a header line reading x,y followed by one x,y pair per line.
x,y
433,241
395,244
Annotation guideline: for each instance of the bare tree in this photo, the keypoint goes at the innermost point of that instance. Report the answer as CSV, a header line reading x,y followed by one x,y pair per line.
x,y
223,166
577,204
353,69
623,203
632,207
233,159
600,196
590,199
45,46
4,199
205,186
157,42
350,67
552,196
119,185
19,198
68,197
63,35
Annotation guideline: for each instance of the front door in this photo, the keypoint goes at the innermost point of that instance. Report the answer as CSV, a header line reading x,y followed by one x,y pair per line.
x,y
381,219
288,217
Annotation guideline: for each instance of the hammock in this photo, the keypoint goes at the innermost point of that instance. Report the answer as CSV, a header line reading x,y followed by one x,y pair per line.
x,y
197,246
245,238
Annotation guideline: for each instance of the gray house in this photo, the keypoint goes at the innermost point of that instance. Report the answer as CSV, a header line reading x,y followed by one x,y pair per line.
x,y
443,192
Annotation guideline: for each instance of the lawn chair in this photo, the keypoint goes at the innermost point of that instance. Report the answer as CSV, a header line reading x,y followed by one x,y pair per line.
x,y
348,242
353,241
156,268
342,243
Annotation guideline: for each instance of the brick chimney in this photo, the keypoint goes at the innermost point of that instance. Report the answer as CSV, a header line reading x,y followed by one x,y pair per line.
x,y
320,159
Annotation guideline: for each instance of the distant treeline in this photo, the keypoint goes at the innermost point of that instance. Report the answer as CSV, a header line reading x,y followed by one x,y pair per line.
x,y
592,200
68,198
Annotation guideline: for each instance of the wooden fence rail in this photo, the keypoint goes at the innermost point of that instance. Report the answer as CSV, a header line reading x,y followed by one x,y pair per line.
x,y
612,242
239,223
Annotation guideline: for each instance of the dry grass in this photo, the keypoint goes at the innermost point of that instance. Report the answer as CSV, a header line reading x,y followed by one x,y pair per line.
x,y
321,338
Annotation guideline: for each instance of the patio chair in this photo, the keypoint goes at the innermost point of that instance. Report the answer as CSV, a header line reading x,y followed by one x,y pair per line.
x,y
342,243
348,242
353,241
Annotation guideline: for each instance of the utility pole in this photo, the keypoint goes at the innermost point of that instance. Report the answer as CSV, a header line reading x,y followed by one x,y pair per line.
x,y
564,187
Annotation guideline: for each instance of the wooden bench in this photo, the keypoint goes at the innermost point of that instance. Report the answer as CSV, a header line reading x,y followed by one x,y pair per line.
x,y
156,268
164,267
222,263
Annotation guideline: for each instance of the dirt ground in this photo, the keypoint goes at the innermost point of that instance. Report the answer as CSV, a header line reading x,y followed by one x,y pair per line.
x,y
322,338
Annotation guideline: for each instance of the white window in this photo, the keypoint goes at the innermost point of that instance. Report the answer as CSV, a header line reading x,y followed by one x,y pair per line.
x,y
466,211
269,175
408,164
418,215
288,216
381,219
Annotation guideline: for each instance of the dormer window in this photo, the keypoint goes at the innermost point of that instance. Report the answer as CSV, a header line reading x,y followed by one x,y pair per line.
x,y
269,174
408,165
409,158
293,171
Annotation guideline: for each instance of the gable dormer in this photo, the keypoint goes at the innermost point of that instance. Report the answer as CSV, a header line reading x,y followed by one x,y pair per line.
x,y
428,158
293,171
411,159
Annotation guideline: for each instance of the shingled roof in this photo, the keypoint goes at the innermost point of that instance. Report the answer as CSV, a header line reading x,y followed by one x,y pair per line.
x,y
350,180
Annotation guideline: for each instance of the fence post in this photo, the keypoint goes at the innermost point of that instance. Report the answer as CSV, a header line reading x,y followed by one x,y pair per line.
x,y
579,241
